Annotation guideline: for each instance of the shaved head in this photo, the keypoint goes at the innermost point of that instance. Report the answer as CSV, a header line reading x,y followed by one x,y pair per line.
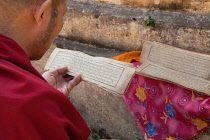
x,y
33,24
25,3
11,9
15,7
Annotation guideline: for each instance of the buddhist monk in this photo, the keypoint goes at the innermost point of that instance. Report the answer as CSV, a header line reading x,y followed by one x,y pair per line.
x,y
32,106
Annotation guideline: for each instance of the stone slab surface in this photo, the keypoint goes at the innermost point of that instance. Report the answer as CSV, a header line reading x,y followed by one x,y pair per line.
x,y
105,113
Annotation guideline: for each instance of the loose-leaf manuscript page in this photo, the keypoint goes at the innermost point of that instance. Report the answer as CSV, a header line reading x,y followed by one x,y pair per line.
x,y
182,67
107,73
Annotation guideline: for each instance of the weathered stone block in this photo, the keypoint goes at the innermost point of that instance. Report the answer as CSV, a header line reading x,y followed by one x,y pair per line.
x,y
195,6
123,28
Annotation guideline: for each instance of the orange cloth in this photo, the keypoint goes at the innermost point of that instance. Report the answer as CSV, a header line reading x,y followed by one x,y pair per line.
x,y
128,57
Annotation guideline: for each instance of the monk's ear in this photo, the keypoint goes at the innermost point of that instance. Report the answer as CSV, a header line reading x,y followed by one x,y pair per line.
x,y
43,12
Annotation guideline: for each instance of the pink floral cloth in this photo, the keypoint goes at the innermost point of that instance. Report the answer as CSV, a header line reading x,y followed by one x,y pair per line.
x,y
164,111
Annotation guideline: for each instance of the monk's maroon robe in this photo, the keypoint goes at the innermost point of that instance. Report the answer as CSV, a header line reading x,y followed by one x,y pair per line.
x,y
31,109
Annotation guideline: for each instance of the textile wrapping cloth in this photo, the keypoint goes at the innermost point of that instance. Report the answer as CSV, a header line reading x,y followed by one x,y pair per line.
x,y
165,111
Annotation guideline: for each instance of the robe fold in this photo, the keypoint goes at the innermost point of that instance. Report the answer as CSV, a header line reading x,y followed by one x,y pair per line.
x,y
31,109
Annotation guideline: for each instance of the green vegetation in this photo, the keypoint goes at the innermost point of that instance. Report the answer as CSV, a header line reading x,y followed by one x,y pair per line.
x,y
95,136
149,22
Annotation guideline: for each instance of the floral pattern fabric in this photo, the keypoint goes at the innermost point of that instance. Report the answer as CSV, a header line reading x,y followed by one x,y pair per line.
x,y
164,111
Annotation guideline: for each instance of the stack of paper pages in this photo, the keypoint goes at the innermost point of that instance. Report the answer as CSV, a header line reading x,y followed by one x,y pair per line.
x,y
182,67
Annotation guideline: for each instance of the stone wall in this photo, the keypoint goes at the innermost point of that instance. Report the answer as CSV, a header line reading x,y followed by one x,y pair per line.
x,y
171,5
122,28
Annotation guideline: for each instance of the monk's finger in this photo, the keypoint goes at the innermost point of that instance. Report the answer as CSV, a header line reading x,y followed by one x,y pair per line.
x,y
58,71
74,82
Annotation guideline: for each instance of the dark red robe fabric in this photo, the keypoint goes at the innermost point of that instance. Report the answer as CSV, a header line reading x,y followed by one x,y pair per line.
x,y
31,109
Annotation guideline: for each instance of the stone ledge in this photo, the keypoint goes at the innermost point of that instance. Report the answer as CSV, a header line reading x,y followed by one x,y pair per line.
x,y
193,6
183,19
86,48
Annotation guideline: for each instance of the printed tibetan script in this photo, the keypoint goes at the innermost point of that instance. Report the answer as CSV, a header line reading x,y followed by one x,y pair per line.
x,y
105,72
186,68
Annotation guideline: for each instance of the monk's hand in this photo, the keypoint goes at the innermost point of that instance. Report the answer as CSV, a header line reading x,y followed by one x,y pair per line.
x,y
60,80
